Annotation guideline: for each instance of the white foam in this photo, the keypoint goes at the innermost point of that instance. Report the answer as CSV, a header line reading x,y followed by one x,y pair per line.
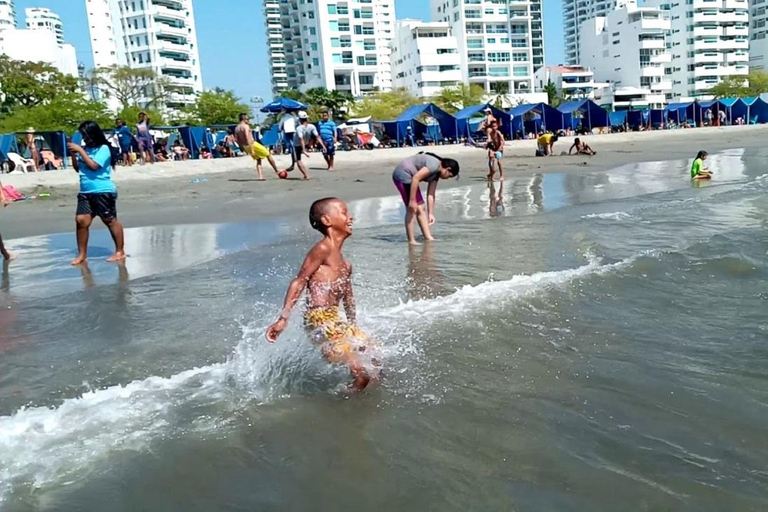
x,y
41,445
608,216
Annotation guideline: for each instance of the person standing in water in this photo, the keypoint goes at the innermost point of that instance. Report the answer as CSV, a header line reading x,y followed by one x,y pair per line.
x,y
698,170
328,276
98,193
408,175
7,256
244,139
495,151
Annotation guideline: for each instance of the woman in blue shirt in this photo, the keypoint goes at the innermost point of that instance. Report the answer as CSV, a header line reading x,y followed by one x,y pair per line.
x,y
98,194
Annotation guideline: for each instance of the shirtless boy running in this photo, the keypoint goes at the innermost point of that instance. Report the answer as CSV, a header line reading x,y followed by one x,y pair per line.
x,y
329,278
244,138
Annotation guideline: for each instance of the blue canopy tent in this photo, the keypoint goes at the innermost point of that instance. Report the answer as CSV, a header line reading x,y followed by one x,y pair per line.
x,y
280,104
637,118
398,128
656,117
193,138
757,110
534,116
735,108
592,114
618,118
465,127
689,112
716,106
270,137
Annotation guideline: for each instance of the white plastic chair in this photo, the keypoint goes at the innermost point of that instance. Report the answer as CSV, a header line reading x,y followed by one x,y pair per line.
x,y
23,165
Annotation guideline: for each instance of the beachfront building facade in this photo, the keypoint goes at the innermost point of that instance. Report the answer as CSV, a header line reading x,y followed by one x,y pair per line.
x,y
628,48
758,35
709,41
341,45
425,57
571,82
34,45
576,12
40,18
159,35
500,43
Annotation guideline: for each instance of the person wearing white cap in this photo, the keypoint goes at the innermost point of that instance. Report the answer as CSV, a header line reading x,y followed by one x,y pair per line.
x,y
304,133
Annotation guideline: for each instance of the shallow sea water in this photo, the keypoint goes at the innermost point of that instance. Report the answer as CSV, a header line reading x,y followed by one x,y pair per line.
x,y
573,342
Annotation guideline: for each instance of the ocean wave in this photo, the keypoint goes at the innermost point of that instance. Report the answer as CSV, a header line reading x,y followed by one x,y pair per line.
x,y
608,216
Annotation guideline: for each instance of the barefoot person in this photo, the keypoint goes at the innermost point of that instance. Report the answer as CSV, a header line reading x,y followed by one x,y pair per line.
x,y
329,278
305,132
698,170
144,139
408,175
98,193
495,151
328,135
582,148
244,138
546,144
7,256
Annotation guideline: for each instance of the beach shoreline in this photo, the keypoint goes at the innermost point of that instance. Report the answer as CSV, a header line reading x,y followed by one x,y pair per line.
x,y
205,191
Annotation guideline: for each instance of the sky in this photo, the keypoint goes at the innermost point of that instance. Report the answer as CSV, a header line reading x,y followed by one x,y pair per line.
x,y
231,37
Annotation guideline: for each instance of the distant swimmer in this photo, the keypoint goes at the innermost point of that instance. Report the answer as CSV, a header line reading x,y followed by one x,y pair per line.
x,y
698,170
244,139
329,278
408,175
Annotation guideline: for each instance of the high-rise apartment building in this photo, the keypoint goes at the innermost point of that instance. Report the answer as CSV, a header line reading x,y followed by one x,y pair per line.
x,y
576,12
709,41
40,18
425,57
758,35
341,45
7,14
149,34
500,43
628,49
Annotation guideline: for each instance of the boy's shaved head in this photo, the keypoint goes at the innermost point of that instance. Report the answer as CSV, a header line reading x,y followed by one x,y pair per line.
x,y
318,209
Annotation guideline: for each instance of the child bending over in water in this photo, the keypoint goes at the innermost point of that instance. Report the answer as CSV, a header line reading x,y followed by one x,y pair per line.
x,y
3,251
698,171
581,148
329,278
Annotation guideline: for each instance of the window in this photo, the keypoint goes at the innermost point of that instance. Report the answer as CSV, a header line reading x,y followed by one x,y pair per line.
x,y
335,42
337,58
498,70
520,57
442,51
498,56
520,71
334,25
332,10
316,62
312,31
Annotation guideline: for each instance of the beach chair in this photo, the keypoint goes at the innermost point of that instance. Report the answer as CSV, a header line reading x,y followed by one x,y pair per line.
x,y
753,120
22,165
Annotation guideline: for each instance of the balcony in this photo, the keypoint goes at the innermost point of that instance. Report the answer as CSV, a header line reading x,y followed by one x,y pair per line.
x,y
659,25
169,46
737,31
663,58
652,71
171,14
703,58
736,57
664,85
707,31
171,30
652,44
570,86
184,65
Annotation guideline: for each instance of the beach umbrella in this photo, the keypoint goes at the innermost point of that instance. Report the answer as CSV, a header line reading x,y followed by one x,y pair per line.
x,y
280,104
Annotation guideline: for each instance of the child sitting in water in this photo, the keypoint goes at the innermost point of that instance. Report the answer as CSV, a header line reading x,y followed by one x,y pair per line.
x,y
329,278
698,171
581,148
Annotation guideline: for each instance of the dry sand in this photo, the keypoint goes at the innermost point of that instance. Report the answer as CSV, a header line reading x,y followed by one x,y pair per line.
x,y
164,193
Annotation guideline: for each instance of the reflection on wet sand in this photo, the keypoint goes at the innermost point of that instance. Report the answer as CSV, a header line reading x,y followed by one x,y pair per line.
x,y
424,280
495,202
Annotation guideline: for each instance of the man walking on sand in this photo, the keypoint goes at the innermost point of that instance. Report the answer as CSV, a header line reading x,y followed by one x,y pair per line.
x,y
327,129
304,133
288,128
244,139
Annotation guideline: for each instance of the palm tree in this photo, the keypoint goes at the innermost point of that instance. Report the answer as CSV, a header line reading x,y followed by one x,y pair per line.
x,y
553,98
501,90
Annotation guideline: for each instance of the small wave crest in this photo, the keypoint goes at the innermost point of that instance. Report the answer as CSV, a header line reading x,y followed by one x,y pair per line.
x,y
608,216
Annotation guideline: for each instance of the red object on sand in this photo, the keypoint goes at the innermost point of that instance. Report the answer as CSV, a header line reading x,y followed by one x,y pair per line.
x,y
282,175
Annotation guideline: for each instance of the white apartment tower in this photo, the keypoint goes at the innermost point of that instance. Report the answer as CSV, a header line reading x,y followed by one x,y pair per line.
x,y
7,14
758,35
341,45
576,12
425,57
40,18
709,41
501,44
148,34
628,48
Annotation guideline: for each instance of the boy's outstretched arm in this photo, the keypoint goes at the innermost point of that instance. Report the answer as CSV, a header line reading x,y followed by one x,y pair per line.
x,y
349,299
311,263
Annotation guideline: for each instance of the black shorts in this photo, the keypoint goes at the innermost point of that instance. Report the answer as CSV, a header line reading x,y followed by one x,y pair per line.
x,y
102,205
297,152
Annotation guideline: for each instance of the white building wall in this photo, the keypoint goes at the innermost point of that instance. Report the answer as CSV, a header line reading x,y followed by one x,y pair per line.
x,y
709,41
758,35
40,18
576,12
38,46
7,14
628,49
499,42
339,45
572,82
154,34
425,57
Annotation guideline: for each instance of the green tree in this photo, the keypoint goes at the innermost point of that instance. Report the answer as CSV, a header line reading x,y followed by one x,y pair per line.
x,y
754,84
28,84
133,87
216,106
64,112
453,99
553,98
131,115
502,100
385,105
292,94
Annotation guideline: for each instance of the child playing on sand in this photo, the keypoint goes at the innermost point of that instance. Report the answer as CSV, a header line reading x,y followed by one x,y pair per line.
x,y
495,151
581,148
7,256
698,171
329,278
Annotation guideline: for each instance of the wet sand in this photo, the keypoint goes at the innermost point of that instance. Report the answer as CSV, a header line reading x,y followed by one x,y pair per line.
x,y
166,194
